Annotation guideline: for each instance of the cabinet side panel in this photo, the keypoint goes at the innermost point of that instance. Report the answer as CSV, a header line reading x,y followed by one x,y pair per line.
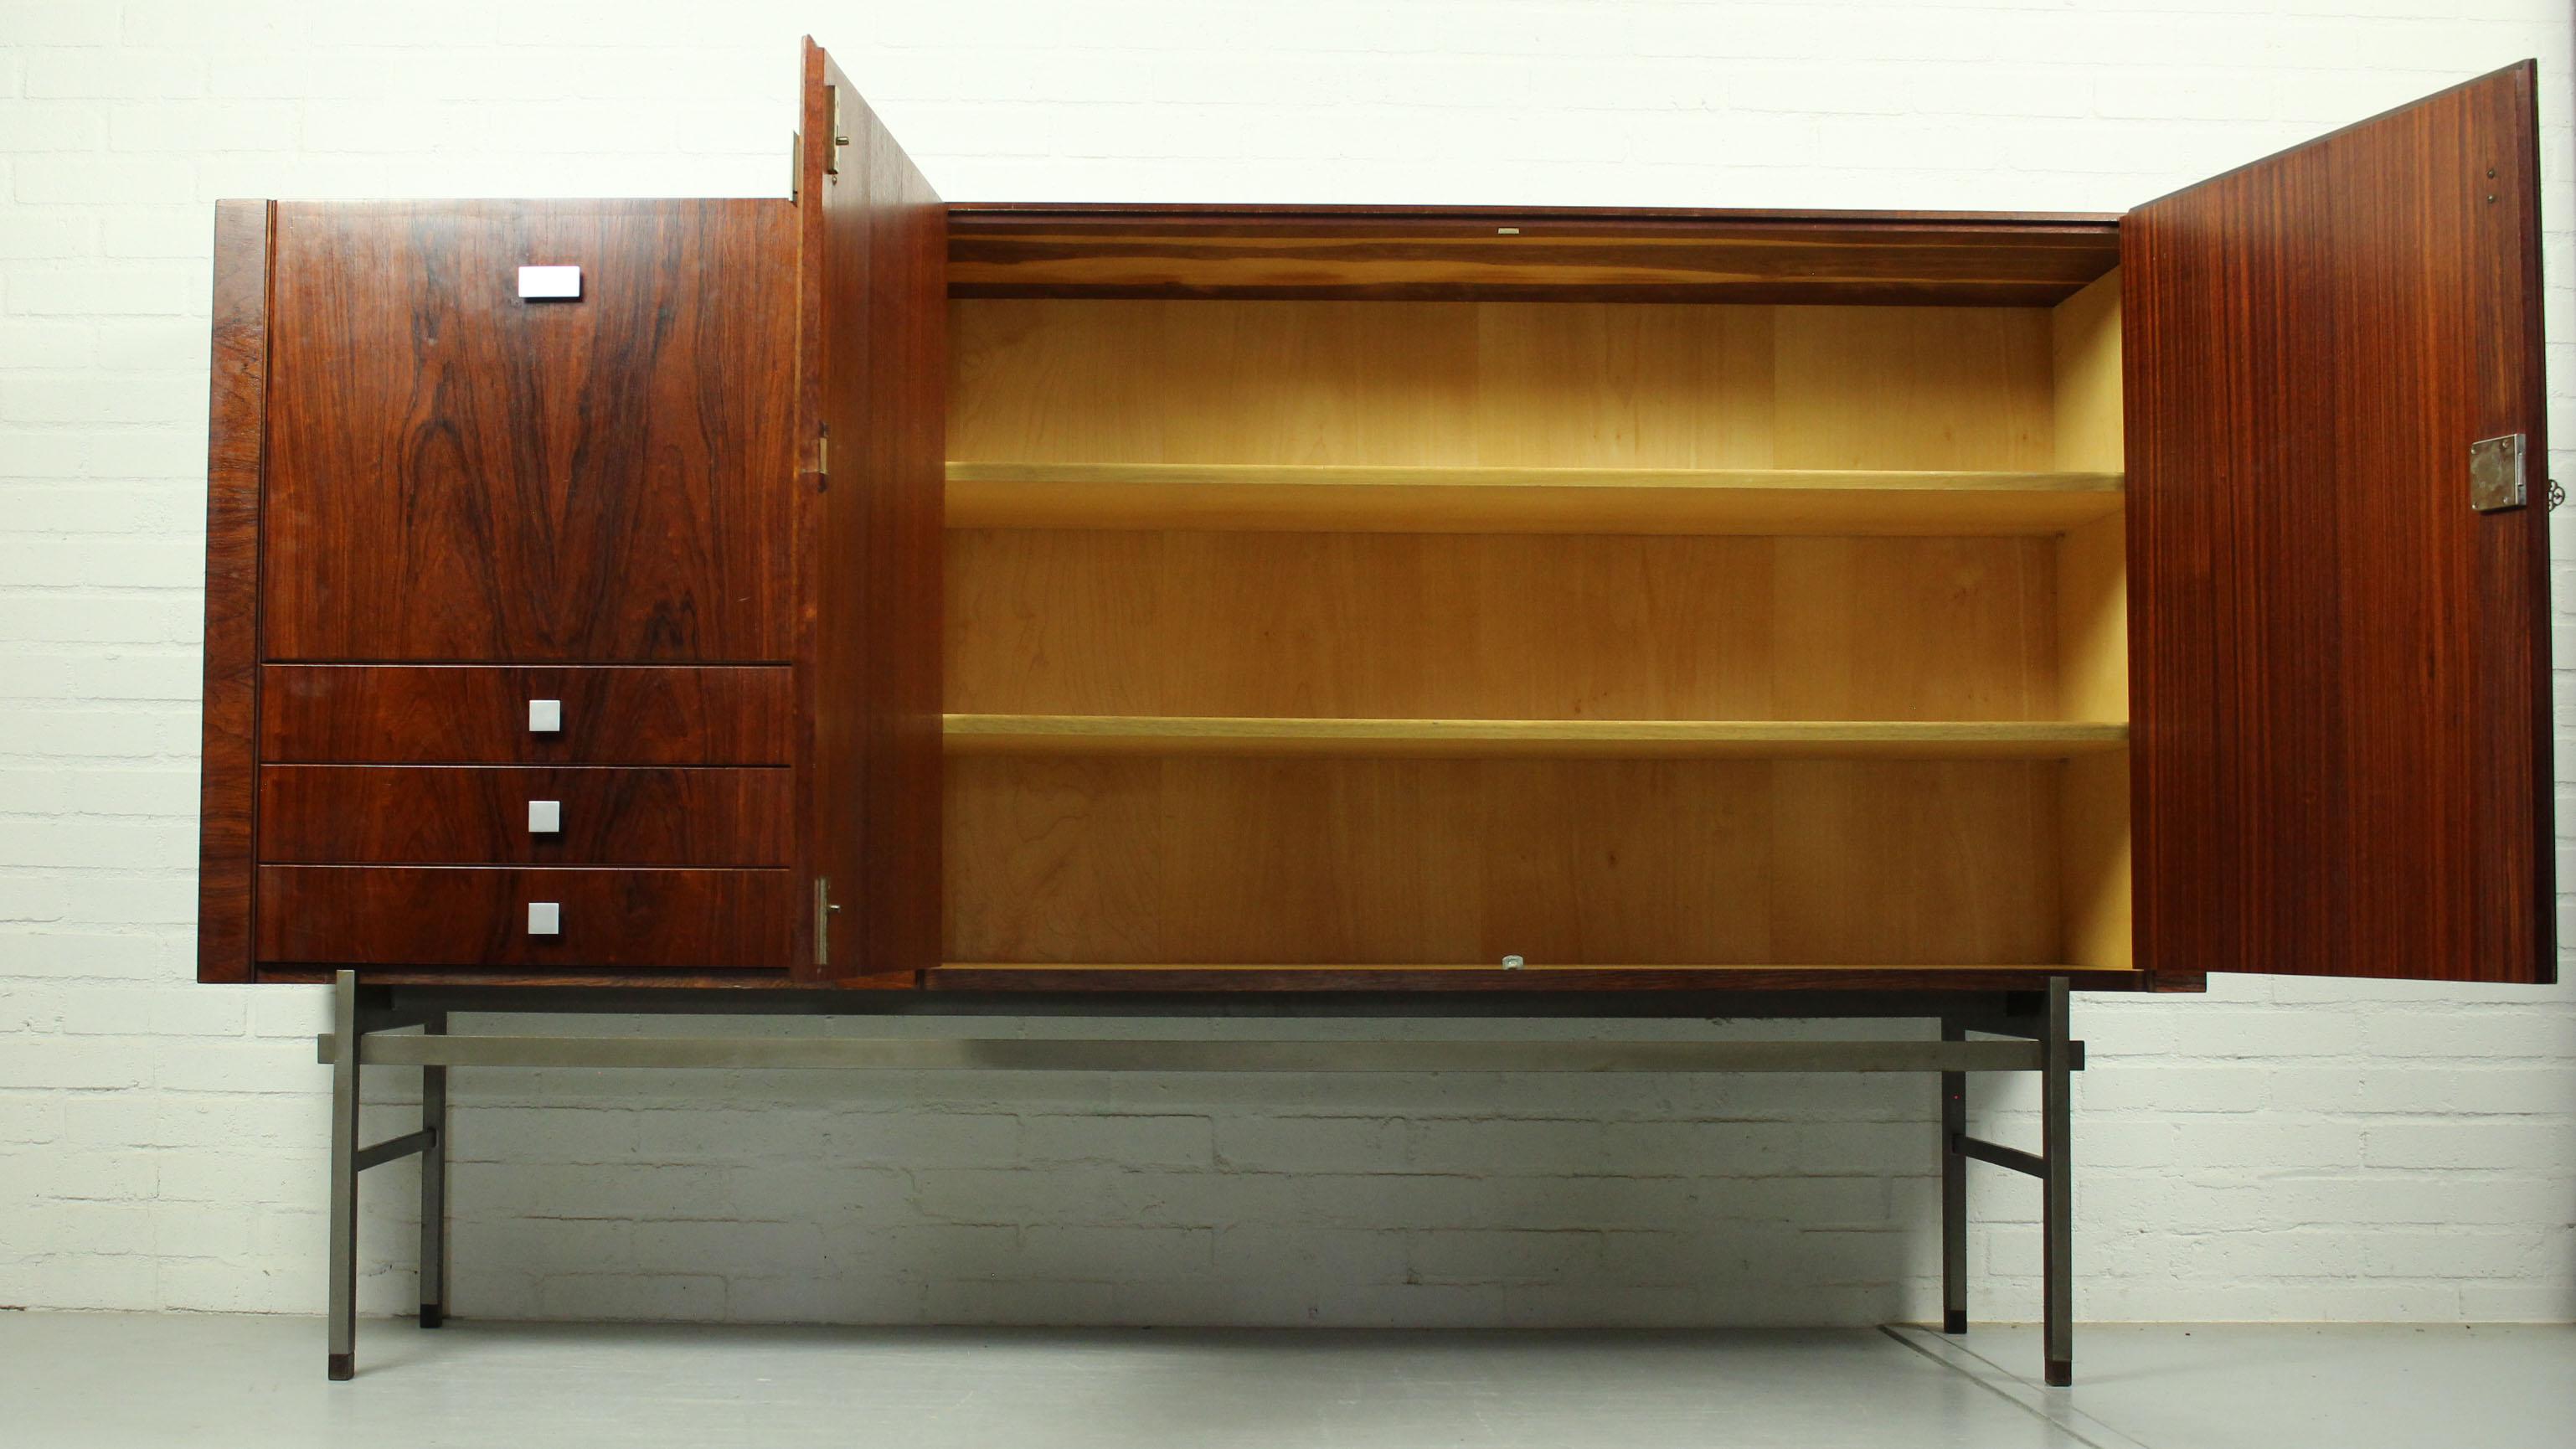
x,y
879,257
2093,629
236,454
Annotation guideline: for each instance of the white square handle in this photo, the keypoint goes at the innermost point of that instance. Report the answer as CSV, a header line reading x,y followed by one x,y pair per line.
x,y
545,716
545,918
545,817
550,284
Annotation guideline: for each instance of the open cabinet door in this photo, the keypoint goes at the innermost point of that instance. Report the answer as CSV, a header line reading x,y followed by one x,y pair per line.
x,y
2338,620
875,267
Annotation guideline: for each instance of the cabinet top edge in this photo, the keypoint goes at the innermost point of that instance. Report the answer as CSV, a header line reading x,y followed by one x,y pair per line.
x,y
1010,218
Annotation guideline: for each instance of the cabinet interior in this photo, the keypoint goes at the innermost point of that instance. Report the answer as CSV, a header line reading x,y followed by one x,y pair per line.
x,y
1334,632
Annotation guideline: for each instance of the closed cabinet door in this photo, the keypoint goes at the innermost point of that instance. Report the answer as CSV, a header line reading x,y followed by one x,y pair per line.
x,y
2338,554
592,463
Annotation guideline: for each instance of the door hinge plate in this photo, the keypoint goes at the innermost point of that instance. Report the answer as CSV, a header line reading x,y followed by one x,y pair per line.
x,y
2495,473
823,912
840,136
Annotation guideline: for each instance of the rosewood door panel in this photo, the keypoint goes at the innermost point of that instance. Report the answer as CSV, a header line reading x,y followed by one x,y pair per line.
x,y
455,473
2340,669
876,287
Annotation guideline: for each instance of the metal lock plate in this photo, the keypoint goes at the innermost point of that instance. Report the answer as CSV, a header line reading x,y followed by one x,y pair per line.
x,y
2495,473
545,817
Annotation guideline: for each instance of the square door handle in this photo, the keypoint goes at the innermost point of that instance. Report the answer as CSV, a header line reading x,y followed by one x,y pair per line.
x,y
545,817
545,716
550,284
545,918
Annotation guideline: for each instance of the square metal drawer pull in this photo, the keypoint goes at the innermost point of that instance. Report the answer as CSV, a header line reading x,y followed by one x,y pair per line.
x,y
545,918
550,284
545,716
545,817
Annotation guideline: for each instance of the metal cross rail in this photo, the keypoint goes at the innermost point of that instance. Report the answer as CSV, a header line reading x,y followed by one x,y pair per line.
x,y
365,1023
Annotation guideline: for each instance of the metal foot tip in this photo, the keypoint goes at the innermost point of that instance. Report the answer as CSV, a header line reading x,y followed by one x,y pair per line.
x,y
344,1367
1954,1320
2061,1373
433,1315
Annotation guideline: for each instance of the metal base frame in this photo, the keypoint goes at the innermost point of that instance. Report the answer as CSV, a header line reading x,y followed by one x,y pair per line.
x,y
367,1022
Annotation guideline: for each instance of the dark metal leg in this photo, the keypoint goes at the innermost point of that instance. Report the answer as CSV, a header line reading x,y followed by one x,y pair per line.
x,y
1954,1191
2056,1124
433,1188
344,1177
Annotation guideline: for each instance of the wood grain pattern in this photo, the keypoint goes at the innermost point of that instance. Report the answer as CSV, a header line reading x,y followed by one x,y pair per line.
x,y
460,475
2093,632
879,242
478,815
1558,385
2342,672
236,459
1172,736
1507,626
1522,500
478,714
519,979
466,916
1459,862
981,976
1533,254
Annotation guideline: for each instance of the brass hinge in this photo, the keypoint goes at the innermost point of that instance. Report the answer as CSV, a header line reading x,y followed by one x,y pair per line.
x,y
840,133
796,166
823,454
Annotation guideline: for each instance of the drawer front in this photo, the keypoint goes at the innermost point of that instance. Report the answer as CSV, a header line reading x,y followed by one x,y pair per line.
x,y
473,714
464,916
502,815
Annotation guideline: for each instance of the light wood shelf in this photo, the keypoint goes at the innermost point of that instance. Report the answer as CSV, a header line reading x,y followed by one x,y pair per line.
x,y
1038,734
1375,499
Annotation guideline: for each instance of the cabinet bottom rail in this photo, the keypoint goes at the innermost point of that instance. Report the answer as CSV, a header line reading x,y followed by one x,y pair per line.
x,y
1014,1054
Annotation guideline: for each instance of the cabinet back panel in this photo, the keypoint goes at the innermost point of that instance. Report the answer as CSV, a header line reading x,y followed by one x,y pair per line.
x,y
1519,626
457,474
1459,862
1553,384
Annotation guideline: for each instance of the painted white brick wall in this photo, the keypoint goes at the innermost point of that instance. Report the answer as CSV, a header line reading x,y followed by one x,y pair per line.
x,y
2273,1151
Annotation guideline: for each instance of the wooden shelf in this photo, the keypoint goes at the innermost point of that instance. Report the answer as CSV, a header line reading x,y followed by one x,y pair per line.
x,y
1039,734
1522,500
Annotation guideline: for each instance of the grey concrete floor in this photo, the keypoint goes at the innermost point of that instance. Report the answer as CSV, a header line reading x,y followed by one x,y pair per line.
x,y
108,1381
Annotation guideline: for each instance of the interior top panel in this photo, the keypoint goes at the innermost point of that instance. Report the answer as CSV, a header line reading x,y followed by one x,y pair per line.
x,y
1497,253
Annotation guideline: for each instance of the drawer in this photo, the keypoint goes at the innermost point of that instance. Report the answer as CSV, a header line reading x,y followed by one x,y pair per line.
x,y
355,915
519,815
472,714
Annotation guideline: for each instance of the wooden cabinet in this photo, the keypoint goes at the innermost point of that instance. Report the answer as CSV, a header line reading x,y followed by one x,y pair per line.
x,y
957,596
